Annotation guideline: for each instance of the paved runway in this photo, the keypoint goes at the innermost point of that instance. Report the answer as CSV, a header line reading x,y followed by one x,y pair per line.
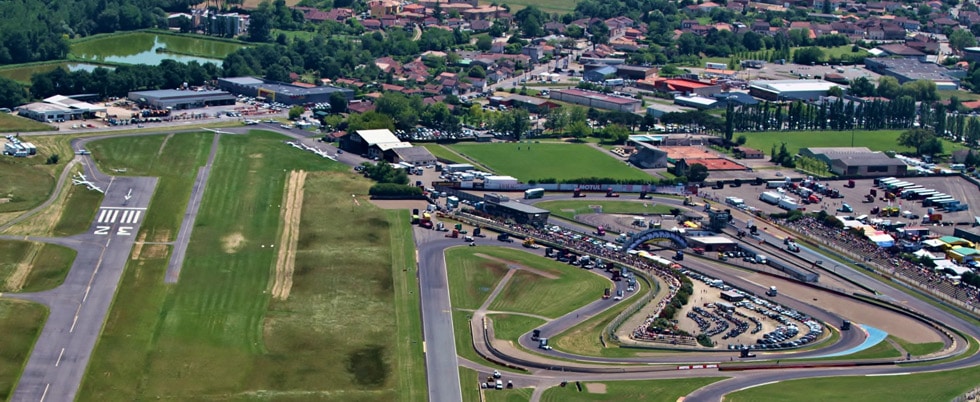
x,y
79,306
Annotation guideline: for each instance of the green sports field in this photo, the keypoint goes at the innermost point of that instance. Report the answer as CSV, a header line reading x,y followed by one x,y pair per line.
x,y
549,161
879,140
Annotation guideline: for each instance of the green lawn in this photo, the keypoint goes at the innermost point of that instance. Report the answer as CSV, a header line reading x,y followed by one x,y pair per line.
x,y
218,335
879,140
938,386
963,96
532,293
508,395
26,183
918,349
471,278
48,264
15,124
568,209
408,315
510,327
469,382
549,160
838,51
584,338
173,159
83,204
20,324
881,350
443,153
646,390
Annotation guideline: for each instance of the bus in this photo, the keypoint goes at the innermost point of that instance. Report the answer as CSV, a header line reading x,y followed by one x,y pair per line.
x,y
921,194
533,193
946,204
885,182
930,202
909,190
881,179
894,187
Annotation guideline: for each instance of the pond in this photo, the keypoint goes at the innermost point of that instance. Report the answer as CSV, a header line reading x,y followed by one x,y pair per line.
x,y
150,48
24,73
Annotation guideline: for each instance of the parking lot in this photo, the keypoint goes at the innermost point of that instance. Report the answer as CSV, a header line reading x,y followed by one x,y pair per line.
x,y
955,186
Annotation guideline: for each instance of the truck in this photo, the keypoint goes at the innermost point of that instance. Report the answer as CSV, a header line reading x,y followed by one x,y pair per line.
x,y
543,342
771,292
845,207
577,193
761,259
775,184
788,204
606,293
734,201
529,243
505,237
850,184
770,197
611,194
533,193
600,231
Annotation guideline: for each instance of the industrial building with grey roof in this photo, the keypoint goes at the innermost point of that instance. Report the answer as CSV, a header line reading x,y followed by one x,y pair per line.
x,y
906,70
281,92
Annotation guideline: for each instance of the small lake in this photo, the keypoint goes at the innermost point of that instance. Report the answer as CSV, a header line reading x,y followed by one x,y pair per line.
x,y
143,48
23,74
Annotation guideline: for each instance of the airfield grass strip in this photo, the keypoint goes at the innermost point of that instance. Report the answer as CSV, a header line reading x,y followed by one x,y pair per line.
x,y
20,324
412,385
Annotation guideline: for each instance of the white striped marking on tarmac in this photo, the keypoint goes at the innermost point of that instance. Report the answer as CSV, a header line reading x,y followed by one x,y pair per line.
x,y
59,357
129,215
45,393
759,385
885,374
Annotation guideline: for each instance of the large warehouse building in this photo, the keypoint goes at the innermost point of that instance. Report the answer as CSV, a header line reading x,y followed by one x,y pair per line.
x,y
857,161
59,108
596,100
790,90
181,99
906,70
280,92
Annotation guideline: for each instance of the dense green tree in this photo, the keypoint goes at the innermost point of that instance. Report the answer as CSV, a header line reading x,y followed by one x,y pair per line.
x,y
697,173
338,103
960,39
12,94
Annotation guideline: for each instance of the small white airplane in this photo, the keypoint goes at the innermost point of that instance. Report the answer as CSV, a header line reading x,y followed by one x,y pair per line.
x,y
251,122
294,145
215,131
80,179
124,170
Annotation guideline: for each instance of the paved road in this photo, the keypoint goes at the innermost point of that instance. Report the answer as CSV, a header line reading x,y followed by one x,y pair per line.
x,y
190,215
437,319
79,306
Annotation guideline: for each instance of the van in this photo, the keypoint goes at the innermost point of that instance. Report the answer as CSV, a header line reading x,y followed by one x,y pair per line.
x,y
761,259
619,295
499,385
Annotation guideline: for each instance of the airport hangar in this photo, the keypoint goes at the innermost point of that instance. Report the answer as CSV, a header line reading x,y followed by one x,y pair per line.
x,y
181,99
281,92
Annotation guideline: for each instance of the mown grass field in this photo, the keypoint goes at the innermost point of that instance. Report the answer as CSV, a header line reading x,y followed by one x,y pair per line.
x,y
469,382
549,160
20,324
510,327
443,153
471,278
508,395
568,209
464,342
217,335
919,349
879,140
16,124
26,182
173,159
48,264
648,390
584,337
83,204
938,386
532,293
408,311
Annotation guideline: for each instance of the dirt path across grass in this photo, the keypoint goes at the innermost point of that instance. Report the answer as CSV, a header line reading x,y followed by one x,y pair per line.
x,y
514,266
16,280
292,206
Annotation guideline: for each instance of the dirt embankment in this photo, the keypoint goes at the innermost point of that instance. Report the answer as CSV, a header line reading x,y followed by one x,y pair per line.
x,y
292,206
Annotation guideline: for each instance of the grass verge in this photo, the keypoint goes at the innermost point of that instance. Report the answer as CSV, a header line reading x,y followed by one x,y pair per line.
x,y
408,316
583,338
508,395
83,204
471,278
918,349
510,327
648,390
469,382
464,341
27,182
20,324
915,387
568,209
31,267
549,161
443,153
15,124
